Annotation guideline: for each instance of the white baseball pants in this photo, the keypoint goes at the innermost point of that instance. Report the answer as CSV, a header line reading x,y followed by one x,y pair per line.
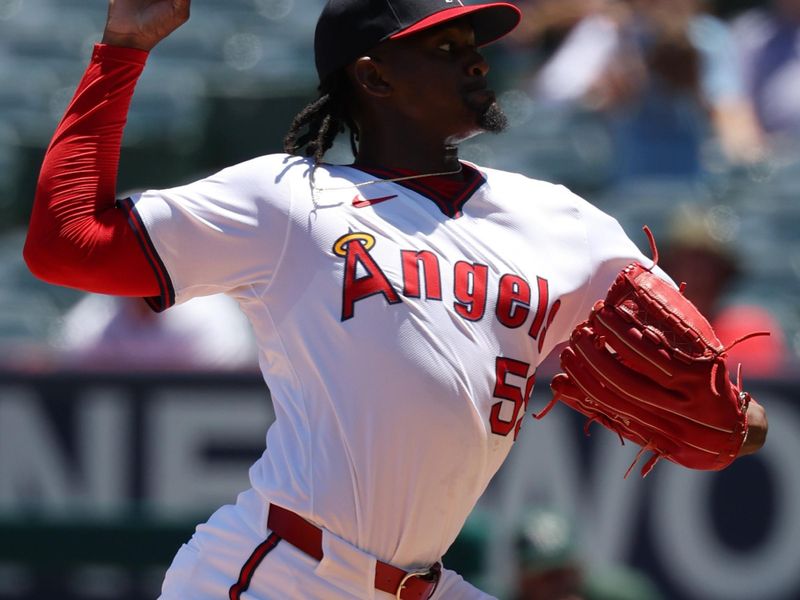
x,y
233,555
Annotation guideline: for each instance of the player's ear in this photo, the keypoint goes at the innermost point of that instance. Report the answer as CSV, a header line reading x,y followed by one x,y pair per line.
x,y
368,75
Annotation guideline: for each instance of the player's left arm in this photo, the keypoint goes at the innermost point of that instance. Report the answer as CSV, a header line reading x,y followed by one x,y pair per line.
x,y
663,381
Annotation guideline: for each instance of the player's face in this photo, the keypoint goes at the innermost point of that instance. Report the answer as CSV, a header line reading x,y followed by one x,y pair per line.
x,y
438,80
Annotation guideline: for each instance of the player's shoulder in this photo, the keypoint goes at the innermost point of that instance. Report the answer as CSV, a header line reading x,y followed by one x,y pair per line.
x,y
527,193
249,187
500,177
527,189
278,168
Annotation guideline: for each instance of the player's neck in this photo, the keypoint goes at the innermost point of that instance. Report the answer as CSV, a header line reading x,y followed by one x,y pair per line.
x,y
422,159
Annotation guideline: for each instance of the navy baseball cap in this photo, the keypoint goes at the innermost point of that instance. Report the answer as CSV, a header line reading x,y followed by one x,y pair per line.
x,y
347,29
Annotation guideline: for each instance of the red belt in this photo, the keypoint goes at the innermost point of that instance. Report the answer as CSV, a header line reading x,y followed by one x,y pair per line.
x,y
415,585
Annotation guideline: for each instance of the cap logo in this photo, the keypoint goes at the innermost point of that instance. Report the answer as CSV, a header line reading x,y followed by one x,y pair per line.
x,y
456,1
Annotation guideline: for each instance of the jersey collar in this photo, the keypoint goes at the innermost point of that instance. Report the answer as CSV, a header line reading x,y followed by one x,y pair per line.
x,y
448,194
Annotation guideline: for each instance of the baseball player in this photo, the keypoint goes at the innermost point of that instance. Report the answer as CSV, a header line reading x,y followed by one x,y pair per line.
x,y
401,303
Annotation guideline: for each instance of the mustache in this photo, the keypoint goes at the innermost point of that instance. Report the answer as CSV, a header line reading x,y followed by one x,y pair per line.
x,y
475,85
479,102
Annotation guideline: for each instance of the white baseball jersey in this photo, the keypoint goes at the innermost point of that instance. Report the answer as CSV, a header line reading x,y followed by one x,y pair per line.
x,y
399,332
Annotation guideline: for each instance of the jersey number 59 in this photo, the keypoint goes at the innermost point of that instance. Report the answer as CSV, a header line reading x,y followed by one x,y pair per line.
x,y
509,392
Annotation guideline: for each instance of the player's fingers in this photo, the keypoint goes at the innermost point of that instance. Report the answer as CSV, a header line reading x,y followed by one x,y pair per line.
x,y
593,401
182,8
637,393
661,409
639,349
640,420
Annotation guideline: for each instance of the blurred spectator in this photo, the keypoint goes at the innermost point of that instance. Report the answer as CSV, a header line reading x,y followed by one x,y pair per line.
x,y
768,40
546,23
700,254
575,42
118,333
661,73
550,568
549,565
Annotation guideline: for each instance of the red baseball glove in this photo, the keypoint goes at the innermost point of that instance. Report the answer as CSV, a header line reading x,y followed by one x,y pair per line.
x,y
648,366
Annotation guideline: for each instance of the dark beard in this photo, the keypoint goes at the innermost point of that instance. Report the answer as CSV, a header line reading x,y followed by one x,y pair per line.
x,y
493,119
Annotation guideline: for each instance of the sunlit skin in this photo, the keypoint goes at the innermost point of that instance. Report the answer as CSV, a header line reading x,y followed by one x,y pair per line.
x,y
415,98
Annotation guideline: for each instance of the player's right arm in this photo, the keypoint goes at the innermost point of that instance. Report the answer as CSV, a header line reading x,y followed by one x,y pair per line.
x,y
78,235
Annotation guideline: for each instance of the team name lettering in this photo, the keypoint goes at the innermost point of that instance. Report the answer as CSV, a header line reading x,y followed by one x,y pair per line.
x,y
363,277
412,262
469,287
355,249
513,301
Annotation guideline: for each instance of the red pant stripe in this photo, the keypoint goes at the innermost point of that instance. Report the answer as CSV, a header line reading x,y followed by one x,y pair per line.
x,y
246,574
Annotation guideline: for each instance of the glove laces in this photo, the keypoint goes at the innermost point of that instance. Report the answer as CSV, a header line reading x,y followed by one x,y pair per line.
x,y
648,466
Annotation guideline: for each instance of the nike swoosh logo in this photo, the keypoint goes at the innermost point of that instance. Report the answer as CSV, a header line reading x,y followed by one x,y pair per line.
x,y
364,202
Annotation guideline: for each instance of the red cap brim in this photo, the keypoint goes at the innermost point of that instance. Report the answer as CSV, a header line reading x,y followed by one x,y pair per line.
x,y
491,21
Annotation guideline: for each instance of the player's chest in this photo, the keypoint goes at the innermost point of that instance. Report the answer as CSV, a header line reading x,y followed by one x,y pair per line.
x,y
485,270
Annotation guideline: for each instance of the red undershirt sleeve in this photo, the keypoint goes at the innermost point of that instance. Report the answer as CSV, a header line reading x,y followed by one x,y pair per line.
x,y
79,235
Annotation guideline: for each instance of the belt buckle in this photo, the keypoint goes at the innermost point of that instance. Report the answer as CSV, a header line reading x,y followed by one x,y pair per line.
x,y
431,575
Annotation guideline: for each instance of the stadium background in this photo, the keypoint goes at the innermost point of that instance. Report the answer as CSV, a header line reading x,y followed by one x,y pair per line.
x,y
103,475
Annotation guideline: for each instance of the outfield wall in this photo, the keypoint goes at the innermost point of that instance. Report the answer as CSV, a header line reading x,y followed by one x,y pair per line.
x,y
114,470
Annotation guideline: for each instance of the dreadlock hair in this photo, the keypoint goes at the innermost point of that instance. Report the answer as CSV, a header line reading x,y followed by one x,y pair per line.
x,y
323,119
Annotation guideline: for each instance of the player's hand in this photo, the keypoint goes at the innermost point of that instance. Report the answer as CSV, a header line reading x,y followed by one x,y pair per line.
x,y
143,23
756,428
